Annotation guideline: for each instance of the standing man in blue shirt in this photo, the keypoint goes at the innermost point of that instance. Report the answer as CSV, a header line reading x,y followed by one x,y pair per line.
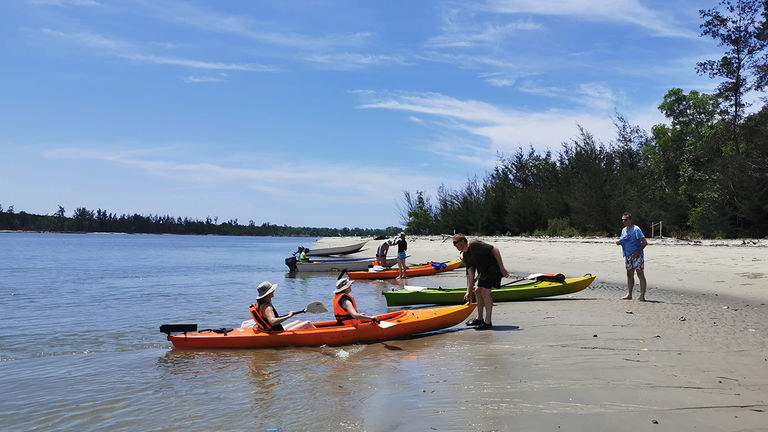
x,y
632,243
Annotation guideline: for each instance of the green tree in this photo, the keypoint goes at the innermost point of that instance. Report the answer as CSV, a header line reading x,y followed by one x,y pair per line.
x,y
419,213
740,29
586,168
684,157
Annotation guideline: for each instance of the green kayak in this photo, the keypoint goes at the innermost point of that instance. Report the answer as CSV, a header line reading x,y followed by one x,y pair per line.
x,y
517,291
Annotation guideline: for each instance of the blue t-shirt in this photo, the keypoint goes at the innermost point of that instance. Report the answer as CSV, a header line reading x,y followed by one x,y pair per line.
x,y
630,240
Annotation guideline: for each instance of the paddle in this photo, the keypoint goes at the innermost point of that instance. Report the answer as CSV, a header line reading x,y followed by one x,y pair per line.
x,y
386,324
314,307
414,288
516,281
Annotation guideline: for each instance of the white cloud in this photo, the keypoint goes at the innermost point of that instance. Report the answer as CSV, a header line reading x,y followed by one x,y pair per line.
x,y
594,96
64,3
497,129
632,12
261,31
276,177
350,61
128,51
499,79
471,35
202,79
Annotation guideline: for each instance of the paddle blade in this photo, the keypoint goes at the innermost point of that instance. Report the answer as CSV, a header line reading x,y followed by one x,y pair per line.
x,y
386,324
316,307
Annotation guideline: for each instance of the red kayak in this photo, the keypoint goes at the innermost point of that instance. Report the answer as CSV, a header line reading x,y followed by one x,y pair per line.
x,y
420,270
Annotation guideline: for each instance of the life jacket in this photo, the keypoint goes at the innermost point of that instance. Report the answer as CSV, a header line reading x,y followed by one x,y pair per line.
x,y
551,277
342,316
261,321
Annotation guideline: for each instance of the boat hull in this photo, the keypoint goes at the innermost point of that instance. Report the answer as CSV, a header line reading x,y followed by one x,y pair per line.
x,y
533,289
339,250
407,323
413,271
349,265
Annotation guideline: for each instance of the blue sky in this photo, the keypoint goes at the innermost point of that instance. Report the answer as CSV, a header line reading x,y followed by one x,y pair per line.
x,y
315,113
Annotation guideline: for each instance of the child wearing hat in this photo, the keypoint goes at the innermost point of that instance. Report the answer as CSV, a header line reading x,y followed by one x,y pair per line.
x,y
266,316
344,307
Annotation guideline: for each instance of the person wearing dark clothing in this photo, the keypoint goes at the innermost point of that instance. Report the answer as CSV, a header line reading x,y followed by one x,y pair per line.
x,y
484,268
402,246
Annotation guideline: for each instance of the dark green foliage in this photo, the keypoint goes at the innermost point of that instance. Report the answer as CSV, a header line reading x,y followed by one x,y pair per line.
x,y
686,174
740,29
84,220
419,214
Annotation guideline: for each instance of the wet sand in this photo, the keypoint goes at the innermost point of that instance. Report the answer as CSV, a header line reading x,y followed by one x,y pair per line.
x,y
694,357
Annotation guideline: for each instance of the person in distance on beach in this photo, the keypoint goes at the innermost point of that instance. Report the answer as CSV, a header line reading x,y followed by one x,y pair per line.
x,y
381,252
344,307
632,243
266,316
484,266
402,246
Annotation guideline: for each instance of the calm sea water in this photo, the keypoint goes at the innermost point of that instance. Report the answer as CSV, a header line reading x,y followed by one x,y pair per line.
x,y
80,347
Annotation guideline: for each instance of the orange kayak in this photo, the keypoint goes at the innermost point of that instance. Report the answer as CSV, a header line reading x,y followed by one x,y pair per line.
x,y
394,325
421,270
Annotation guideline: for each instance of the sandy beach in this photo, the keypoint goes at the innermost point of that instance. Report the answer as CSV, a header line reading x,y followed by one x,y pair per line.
x,y
694,357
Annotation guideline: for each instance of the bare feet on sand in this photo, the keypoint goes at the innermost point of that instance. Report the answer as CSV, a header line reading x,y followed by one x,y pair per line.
x,y
626,297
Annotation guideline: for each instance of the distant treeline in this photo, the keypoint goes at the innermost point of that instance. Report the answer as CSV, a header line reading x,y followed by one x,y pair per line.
x,y
84,221
705,174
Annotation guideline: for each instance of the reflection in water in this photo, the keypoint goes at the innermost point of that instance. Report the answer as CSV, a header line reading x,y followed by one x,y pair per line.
x,y
349,388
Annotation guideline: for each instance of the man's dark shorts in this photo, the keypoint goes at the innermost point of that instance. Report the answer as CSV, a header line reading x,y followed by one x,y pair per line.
x,y
489,283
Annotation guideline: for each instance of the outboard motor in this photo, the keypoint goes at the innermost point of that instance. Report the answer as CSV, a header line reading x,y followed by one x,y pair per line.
x,y
291,263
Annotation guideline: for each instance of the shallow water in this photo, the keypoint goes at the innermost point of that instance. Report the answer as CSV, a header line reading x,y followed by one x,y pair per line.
x,y
80,350
80,347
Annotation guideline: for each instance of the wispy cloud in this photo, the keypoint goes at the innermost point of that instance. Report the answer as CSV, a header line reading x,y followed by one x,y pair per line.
x,y
126,50
203,79
471,34
266,32
64,3
595,96
350,61
632,12
274,176
495,129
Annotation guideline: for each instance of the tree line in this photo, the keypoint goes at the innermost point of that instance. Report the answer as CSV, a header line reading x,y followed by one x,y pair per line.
x,y
84,221
704,174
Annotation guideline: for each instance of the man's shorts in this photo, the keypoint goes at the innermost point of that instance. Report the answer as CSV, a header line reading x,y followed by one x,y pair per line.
x,y
489,283
634,264
401,255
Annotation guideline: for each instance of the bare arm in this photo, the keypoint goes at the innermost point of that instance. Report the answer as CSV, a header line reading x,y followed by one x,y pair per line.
x,y
497,254
347,305
471,279
269,314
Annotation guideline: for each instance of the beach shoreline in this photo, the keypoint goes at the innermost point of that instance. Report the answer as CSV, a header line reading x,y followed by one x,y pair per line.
x,y
724,267
695,356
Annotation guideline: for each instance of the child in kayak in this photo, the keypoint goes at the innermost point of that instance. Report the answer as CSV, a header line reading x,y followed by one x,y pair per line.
x,y
344,308
266,316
